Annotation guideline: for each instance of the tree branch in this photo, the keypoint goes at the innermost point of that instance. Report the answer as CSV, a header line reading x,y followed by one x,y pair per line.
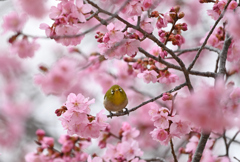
x,y
223,57
148,101
201,145
209,34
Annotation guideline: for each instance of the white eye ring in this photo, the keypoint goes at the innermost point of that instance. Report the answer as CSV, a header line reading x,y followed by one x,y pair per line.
x,y
120,89
112,92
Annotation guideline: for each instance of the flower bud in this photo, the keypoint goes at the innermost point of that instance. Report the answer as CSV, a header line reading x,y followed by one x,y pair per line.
x,y
181,15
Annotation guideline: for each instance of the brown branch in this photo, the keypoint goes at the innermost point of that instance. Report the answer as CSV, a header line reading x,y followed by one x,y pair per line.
x,y
208,36
201,145
169,65
151,37
223,57
148,101
172,150
182,51
155,159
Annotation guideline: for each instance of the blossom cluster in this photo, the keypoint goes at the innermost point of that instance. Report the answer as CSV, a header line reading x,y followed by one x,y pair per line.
x,y
172,16
23,47
208,154
68,17
15,111
113,43
152,71
219,6
125,150
71,150
168,125
212,108
75,117
53,82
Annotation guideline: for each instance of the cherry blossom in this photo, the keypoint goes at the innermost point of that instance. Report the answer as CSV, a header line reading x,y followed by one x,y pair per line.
x,y
149,76
13,22
34,8
24,48
160,135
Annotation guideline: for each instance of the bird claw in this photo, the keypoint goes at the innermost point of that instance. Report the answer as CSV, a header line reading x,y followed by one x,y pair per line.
x,y
111,114
126,111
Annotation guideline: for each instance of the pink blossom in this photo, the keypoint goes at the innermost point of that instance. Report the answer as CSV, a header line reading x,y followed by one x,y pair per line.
x,y
115,34
130,47
146,25
47,142
167,96
11,132
211,108
10,65
167,77
101,120
13,22
95,159
33,157
148,76
68,18
215,38
133,8
82,9
128,132
70,121
68,30
233,23
129,149
24,48
89,130
233,52
161,120
155,110
78,108
111,51
157,51
34,8
59,78
160,135
40,132
78,103
162,21
179,127
192,144
218,8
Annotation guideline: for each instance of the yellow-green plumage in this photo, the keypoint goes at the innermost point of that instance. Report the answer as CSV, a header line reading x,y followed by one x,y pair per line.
x,y
115,99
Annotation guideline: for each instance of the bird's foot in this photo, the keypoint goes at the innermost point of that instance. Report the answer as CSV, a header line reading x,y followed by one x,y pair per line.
x,y
111,114
126,111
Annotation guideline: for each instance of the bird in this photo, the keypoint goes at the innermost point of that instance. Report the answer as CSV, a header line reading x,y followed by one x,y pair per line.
x,y
115,100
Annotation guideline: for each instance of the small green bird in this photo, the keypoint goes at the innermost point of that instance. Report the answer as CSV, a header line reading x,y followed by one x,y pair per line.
x,y
115,100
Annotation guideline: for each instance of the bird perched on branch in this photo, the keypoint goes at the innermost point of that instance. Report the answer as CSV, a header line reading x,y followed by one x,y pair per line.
x,y
115,100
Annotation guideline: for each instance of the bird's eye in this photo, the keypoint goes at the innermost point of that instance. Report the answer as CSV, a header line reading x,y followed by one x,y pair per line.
x,y
120,89
112,92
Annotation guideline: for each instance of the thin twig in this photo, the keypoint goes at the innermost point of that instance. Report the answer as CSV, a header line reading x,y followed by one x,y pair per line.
x,y
182,51
172,150
169,65
157,159
225,142
236,159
